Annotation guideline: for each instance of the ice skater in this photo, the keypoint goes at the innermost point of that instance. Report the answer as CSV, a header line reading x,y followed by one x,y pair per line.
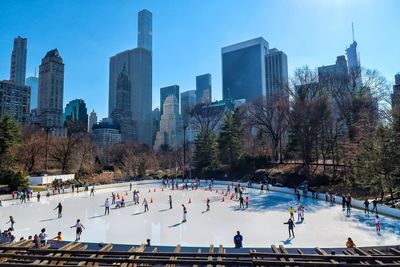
x,y
208,204
366,207
106,207
378,224
92,192
374,206
170,201
247,200
146,205
38,196
60,208
348,205
291,213
184,213
130,186
112,198
79,227
290,227
12,222
241,202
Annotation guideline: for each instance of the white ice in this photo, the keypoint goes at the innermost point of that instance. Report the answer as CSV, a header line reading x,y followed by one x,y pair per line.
x,y
261,224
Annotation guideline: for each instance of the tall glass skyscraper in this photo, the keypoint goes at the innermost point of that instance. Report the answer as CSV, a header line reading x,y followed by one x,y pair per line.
x,y
188,100
203,88
18,61
243,69
145,26
167,91
33,83
276,69
76,111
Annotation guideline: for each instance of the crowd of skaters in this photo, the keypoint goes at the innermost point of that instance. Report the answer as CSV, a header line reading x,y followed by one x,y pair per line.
x,y
237,194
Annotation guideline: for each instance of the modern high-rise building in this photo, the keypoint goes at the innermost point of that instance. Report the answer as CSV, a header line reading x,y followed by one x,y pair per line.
x,y
14,100
354,65
122,114
18,60
276,69
145,28
75,116
396,91
51,90
105,133
203,88
156,122
167,91
138,66
188,100
243,70
92,121
171,128
33,83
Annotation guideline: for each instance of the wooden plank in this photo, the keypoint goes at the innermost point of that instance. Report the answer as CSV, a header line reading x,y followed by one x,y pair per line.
x,y
107,247
395,251
134,249
299,251
68,246
323,252
276,251
177,250
221,250
211,250
283,250
195,265
23,243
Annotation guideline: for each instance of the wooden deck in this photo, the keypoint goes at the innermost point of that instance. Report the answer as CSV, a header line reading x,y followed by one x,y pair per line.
x,y
74,253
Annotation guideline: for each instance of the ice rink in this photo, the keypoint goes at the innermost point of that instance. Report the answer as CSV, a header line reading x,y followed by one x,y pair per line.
x,y
261,224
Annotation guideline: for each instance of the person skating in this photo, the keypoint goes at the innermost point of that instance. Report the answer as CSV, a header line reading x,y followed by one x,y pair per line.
x,y
59,207
343,202
146,205
348,205
299,213
170,201
366,206
130,186
92,192
291,213
374,206
38,196
238,240
184,213
112,198
106,207
378,224
290,227
12,222
247,200
241,202
208,204
79,227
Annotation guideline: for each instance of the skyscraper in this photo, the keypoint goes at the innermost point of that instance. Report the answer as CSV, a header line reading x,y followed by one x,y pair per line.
x,y
51,90
138,64
14,100
145,26
171,128
354,65
203,88
396,91
122,114
336,73
75,115
167,91
92,121
276,69
188,100
18,61
33,83
243,70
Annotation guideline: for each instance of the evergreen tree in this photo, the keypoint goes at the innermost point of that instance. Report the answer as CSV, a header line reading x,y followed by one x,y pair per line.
x,y
230,141
206,150
10,138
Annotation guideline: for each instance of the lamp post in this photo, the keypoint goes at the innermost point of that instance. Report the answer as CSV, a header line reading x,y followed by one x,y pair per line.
x,y
184,149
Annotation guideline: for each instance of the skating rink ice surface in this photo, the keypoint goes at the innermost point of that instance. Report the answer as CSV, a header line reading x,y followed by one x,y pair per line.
x,y
261,225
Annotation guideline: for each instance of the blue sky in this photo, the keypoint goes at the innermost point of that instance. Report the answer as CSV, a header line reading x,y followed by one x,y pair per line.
x,y
188,36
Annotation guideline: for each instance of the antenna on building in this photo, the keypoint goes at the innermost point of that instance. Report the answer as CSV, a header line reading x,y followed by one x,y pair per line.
x,y
352,30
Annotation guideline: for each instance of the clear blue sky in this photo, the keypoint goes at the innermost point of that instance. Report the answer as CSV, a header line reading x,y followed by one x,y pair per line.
x,y
188,36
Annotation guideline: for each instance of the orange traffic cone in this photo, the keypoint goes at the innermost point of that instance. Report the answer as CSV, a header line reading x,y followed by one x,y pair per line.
x,y
190,201
223,199
151,200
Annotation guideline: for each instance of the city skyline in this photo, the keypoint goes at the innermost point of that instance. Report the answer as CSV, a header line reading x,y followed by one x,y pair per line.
x,y
86,72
